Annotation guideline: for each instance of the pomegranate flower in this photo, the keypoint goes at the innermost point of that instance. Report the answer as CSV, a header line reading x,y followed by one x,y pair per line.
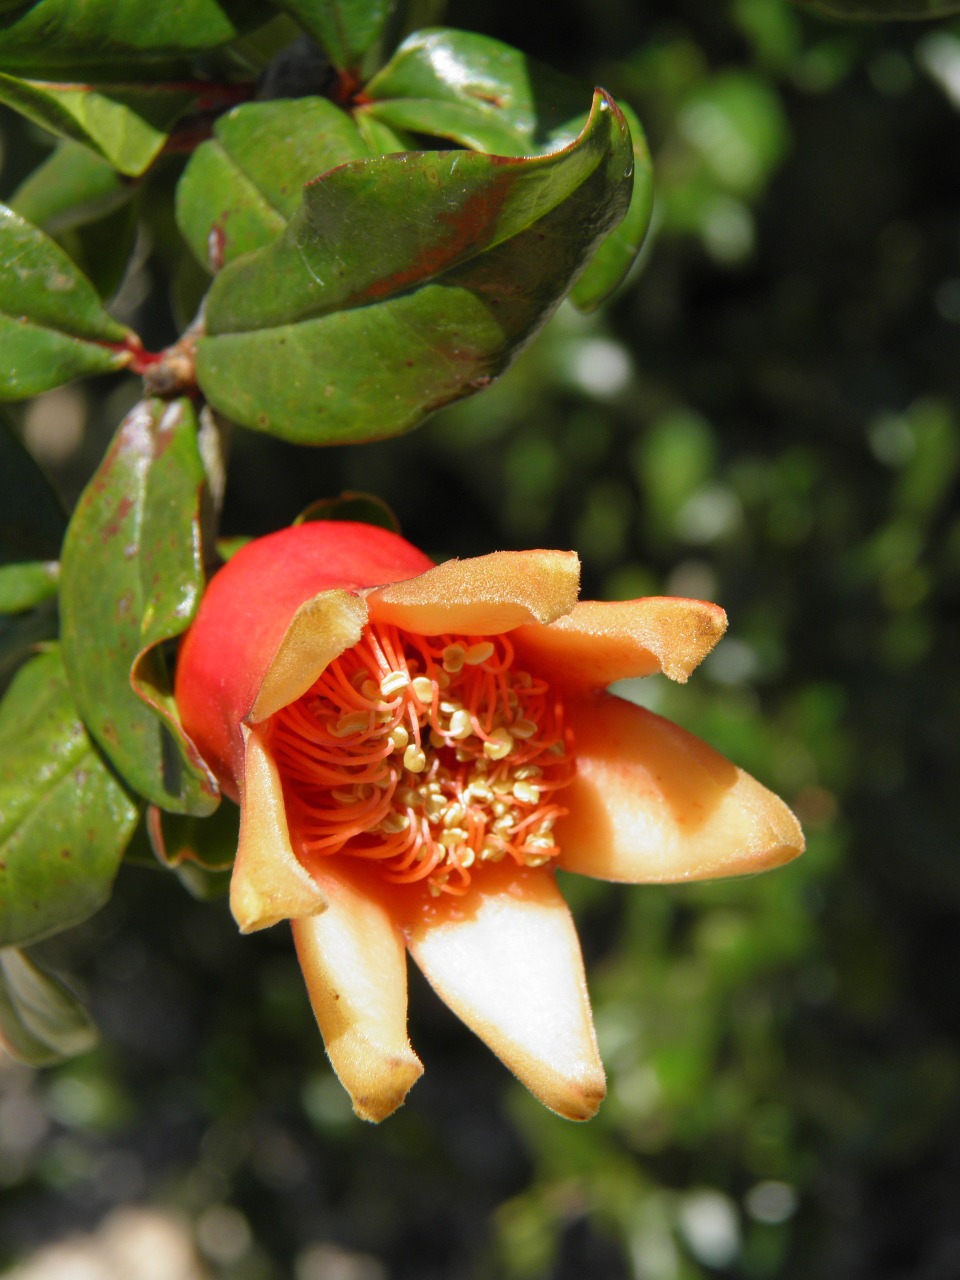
x,y
415,748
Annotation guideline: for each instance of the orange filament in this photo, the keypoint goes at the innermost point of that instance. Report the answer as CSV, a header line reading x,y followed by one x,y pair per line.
x,y
426,754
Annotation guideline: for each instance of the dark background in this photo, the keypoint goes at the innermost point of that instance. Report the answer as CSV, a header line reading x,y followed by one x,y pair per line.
x,y
765,415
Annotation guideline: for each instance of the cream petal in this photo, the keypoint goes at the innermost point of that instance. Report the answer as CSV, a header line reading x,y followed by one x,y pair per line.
x,y
320,630
268,883
355,966
652,803
602,641
483,596
506,959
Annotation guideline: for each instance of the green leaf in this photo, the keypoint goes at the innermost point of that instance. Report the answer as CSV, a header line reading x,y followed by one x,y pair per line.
x,y
64,819
73,186
365,508
55,34
132,579
200,851
485,95
23,586
242,187
126,124
617,254
41,1021
32,520
478,92
345,29
103,249
884,10
407,281
52,324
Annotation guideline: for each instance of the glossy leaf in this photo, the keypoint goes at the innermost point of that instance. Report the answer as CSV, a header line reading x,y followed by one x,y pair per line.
x,y
52,34
127,125
406,282
23,586
485,95
242,187
41,1021
32,520
73,186
52,324
884,10
478,92
132,578
64,818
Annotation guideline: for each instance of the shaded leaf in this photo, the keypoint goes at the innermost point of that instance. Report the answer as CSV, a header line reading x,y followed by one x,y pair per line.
x,y
200,851
884,10
52,324
405,282
365,508
618,252
32,520
73,186
242,187
64,818
41,1020
132,578
345,29
126,124
103,249
22,586
56,34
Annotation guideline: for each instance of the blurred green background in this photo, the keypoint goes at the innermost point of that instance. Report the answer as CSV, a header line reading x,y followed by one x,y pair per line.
x,y
767,416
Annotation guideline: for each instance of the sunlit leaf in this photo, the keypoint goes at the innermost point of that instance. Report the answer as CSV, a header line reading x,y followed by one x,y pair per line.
x,y
407,281
242,187
127,125
132,578
22,586
52,324
50,34
485,95
41,1020
64,818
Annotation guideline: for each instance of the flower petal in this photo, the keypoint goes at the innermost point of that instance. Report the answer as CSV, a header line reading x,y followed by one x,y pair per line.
x,y
483,596
651,803
268,883
319,631
355,966
506,959
599,642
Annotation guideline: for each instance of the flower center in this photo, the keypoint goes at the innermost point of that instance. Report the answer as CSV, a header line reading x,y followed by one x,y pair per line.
x,y
427,754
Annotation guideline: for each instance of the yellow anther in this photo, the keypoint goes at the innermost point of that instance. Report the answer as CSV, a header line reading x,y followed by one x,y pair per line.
x,y
434,807
437,739
527,771
541,844
478,791
536,859
447,708
454,814
370,690
346,795
399,737
478,653
358,677
453,838
526,792
465,856
453,656
393,683
414,758
523,729
422,687
461,726
499,745
492,851
355,722
394,823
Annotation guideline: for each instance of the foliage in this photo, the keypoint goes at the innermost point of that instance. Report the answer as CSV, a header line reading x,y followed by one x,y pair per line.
x,y
765,417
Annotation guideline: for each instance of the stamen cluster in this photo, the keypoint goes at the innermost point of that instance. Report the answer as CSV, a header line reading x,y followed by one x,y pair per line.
x,y
427,754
